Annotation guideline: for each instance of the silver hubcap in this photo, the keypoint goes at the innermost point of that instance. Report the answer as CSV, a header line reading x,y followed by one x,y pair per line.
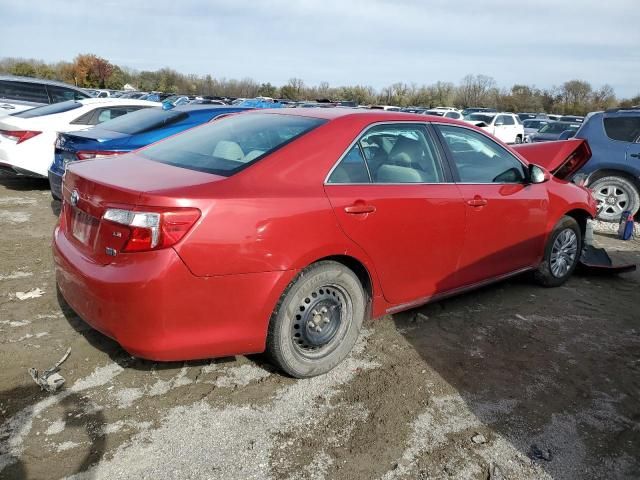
x,y
614,200
563,252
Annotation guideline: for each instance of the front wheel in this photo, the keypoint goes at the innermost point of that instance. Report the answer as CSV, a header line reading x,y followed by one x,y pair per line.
x,y
317,320
561,254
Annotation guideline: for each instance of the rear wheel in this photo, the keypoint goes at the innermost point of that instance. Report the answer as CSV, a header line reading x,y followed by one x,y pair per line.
x,y
615,195
317,320
518,139
561,253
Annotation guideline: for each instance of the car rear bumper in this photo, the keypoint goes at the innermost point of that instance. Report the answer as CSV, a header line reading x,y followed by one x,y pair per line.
x,y
155,308
55,183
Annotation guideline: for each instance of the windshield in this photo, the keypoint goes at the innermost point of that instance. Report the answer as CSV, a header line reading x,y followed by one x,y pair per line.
x,y
480,117
48,109
230,144
143,120
558,127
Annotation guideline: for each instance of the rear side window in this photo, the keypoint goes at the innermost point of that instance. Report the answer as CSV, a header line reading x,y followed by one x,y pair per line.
x,y
624,129
48,109
62,94
25,91
351,169
229,145
144,120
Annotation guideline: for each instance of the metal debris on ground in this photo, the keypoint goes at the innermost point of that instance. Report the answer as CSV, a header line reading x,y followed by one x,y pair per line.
x,y
479,439
540,454
33,293
50,380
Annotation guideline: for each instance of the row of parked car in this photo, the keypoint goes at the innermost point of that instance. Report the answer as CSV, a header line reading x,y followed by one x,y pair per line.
x,y
219,216
69,125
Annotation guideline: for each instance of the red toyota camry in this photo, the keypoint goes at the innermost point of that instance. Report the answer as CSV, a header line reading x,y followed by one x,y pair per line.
x,y
282,230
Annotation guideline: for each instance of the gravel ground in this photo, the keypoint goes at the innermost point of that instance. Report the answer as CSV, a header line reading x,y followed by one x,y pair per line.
x,y
512,381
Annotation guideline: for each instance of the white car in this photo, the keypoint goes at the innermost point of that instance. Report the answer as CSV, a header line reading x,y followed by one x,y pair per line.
x,y
504,126
446,113
27,138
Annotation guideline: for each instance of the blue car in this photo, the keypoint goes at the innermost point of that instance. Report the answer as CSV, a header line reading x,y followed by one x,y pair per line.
x,y
613,172
126,133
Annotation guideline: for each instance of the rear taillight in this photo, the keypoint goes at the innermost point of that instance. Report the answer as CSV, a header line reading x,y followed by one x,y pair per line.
x,y
155,229
89,154
19,135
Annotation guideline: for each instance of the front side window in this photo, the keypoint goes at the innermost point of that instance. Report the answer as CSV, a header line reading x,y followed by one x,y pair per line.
x,y
479,159
61,94
231,144
624,129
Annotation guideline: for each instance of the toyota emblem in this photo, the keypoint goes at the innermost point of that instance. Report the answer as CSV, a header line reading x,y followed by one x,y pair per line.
x,y
74,198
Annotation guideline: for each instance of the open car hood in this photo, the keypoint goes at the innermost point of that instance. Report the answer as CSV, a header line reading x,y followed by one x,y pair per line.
x,y
562,158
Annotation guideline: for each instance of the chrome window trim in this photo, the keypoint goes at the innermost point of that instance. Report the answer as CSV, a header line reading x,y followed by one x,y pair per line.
x,y
446,124
357,139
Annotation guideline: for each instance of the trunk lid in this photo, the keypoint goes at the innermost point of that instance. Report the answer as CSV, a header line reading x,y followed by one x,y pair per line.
x,y
562,158
126,182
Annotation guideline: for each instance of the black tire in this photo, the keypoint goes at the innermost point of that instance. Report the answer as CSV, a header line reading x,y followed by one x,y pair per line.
x,y
330,294
553,274
616,194
518,140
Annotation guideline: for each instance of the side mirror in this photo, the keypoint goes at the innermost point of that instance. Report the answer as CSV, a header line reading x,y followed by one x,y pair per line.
x,y
538,174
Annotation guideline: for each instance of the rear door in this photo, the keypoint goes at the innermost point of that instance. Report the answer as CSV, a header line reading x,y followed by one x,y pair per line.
x,y
393,196
505,216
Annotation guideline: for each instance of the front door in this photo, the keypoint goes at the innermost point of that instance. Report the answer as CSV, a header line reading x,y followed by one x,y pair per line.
x,y
391,196
505,215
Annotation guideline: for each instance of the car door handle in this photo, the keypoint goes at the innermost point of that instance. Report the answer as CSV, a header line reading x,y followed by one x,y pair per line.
x,y
360,208
634,155
477,201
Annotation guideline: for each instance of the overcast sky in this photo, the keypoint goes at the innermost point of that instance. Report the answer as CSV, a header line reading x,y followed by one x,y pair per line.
x,y
369,42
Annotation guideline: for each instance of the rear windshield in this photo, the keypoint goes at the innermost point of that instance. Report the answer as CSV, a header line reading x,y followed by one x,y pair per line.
x,y
558,127
230,144
143,120
534,123
48,109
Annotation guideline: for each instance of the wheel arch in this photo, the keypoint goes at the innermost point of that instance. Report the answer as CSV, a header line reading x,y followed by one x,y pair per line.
x,y
581,216
612,172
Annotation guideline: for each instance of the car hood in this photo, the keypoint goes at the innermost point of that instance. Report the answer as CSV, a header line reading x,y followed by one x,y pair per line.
x,y
562,158
547,137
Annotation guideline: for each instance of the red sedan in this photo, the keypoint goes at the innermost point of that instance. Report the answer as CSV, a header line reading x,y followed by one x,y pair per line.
x,y
282,230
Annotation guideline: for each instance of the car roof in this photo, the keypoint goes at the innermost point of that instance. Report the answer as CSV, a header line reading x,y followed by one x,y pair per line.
x,y
200,106
366,115
16,78
118,101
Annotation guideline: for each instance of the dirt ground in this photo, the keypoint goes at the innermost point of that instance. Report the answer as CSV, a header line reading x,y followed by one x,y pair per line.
x,y
513,381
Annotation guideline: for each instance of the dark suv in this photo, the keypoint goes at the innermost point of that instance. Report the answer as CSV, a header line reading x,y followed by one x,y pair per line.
x,y
22,93
614,169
